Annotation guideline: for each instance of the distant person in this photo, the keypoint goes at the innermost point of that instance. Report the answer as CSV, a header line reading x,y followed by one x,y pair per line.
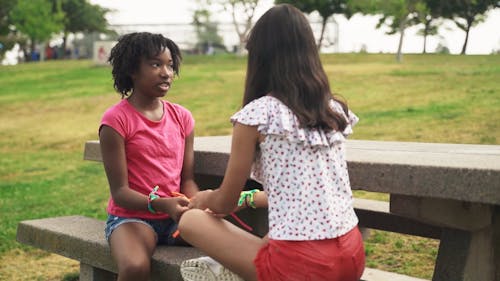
x,y
146,142
289,136
35,55
101,55
210,49
76,52
48,52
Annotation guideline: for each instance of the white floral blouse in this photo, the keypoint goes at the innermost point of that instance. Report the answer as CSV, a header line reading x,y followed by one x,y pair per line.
x,y
303,171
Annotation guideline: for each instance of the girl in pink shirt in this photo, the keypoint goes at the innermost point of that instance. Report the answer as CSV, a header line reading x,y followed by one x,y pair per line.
x,y
147,150
289,136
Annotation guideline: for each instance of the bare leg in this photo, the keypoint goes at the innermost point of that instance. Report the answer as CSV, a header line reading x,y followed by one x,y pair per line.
x,y
132,245
233,247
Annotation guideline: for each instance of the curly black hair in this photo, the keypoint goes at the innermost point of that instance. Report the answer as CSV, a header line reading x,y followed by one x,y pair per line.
x,y
126,56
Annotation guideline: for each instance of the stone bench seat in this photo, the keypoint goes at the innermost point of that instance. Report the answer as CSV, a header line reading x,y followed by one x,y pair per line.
x,y
81,238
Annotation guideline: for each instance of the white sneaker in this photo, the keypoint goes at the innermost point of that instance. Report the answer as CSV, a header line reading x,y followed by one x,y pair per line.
x,y
206,269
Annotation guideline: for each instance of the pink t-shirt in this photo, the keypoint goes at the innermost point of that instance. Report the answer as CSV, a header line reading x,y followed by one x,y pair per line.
x,y
154,150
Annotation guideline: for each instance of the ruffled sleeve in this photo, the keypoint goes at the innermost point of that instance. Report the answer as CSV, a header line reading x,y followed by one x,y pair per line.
x,y
272,117
352,119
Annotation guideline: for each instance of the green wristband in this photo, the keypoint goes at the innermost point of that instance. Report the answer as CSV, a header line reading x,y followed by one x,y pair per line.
x,y
245,195
152,196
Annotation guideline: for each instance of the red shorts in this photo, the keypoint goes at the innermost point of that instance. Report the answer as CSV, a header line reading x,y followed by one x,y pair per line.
x,y
339,259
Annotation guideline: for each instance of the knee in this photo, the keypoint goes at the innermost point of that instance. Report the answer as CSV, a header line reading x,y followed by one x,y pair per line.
x,y
135,269
189,220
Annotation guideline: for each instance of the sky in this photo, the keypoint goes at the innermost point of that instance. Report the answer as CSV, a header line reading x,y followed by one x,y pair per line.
x,y
355,34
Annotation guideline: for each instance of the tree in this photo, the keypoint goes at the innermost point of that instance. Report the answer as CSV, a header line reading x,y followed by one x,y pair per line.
x,y
81,16
466,14
247,9
37,19
7,38
325,8
5,7
395,14
428,18
206,30
242,13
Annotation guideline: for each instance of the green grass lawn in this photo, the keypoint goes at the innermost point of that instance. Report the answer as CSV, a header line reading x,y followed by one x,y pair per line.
x,y
48,110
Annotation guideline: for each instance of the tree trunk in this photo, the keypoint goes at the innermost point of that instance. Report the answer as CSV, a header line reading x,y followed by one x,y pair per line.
x,y
242,34
464,47
32,45
26,53
241,44
337,36
323,28
402,27
426,32
425,44
64,43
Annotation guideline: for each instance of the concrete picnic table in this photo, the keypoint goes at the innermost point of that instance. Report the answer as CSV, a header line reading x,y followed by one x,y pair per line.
x,y
453,186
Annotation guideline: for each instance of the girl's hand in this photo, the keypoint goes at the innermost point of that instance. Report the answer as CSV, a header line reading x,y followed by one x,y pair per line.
x,y
173,206
200,200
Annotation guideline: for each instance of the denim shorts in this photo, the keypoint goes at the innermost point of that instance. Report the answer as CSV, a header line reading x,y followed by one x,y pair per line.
x,y
163,228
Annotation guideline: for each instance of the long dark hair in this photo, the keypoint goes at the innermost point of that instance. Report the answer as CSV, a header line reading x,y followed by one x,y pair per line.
x,y
283,61
126,56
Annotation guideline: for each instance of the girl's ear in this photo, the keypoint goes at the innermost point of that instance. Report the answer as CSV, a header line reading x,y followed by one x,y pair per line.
x,y
133,74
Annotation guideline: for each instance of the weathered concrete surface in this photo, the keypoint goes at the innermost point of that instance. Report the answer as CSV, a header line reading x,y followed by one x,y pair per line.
x,y
476,263
81,238
75,237
443,212
371,274
92,151
376,215
451,171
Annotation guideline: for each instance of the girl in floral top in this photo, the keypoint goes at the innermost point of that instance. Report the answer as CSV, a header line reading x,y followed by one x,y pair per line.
x,y
290,137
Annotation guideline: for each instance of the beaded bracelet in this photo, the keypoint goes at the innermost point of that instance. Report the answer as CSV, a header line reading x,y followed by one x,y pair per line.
x,y
153,195
245,196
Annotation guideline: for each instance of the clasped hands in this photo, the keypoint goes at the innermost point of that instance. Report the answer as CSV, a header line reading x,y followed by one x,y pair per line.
x,y
199,201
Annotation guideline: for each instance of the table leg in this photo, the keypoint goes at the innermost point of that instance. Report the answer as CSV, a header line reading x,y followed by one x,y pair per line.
x,y
465,256
90,273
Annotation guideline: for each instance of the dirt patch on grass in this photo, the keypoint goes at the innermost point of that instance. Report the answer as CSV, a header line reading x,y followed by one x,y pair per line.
x,y
19,265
